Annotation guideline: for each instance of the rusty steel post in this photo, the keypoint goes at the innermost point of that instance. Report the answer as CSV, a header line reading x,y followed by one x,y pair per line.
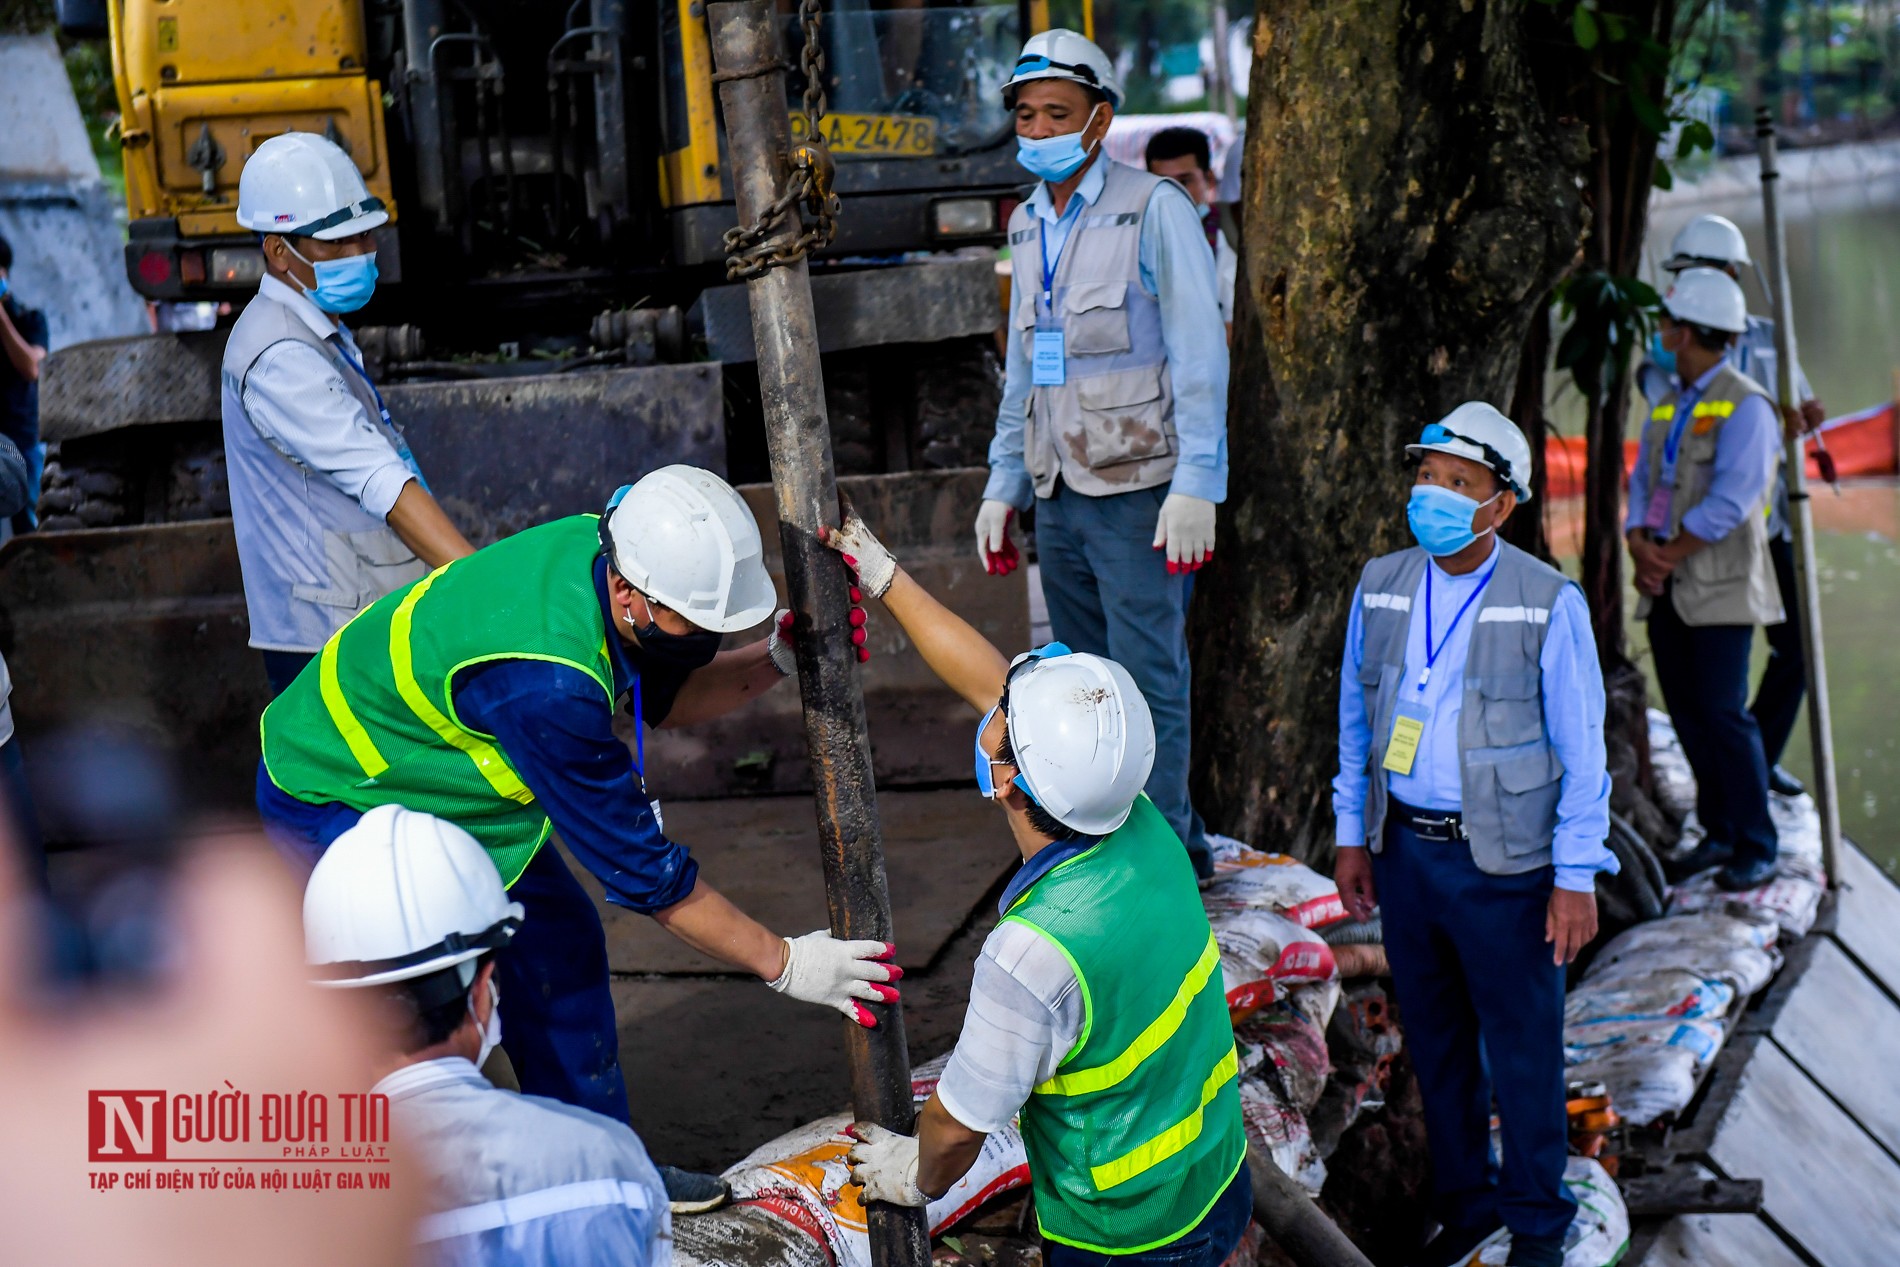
x,y
751,80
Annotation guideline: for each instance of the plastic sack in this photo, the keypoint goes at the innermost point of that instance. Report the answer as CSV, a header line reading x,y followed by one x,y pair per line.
x,y
1709,944
1281,1042
1657,996
1648,1081
1675,781
1280,1130
1264,954
1793,898
1599,1234
1797,826
1702,1038
1247,879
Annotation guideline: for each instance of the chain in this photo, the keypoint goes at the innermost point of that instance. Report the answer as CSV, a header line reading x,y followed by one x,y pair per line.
x,y
752,250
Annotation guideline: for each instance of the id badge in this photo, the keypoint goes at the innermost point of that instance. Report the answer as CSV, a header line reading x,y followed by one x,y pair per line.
x,y
1408,729
659,816
1047,368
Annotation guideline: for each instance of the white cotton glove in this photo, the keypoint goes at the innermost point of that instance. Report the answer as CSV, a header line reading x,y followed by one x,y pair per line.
x,y
863,553
884,1163
821,969
994,550
778,644
1186,528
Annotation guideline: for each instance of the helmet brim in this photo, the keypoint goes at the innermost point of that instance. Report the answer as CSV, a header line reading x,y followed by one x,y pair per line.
x,y
1470,453
1009,89
755,599
353,226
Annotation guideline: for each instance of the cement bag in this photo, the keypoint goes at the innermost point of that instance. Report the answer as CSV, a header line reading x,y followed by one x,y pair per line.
x,y
1648,1081
1797,826
1282,1043
1702,1038
1281,1131
765,1234
1792,898
1247,879
1600,1233
1709,944
1675,781
1666,995
1264,954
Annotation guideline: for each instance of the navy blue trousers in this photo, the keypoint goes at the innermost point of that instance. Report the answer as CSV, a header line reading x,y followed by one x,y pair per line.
x,y
1785,680
1703,672
1482,1006
557,1013
1207,1244
1110,594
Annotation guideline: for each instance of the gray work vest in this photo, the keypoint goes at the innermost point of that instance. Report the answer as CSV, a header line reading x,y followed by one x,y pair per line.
x,y
1731,581
312,557
1109,428
1511,774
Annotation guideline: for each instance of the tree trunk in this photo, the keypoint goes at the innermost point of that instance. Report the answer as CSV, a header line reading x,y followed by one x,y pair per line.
x,y
1527,529
1407,209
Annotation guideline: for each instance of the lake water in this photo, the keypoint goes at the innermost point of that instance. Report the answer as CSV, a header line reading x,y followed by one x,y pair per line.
x,y
1844,277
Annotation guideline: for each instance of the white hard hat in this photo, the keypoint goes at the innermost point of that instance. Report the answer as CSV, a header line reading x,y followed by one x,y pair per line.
x,y
685,538
1476,431
304,184
1082,736
1064,54
400,895
1707,297
1705,239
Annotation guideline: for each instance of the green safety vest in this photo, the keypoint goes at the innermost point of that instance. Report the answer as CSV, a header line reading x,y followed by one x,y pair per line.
x,y
376,723
1138,1132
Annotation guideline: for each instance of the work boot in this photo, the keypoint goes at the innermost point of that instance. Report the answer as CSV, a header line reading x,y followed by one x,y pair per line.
x,y
1710,853
1453,1246
1785,784
1536,1251
690,1193
1737,876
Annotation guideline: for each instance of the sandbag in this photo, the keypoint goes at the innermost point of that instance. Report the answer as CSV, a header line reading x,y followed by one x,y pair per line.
x,y
1675,781
1665,995
1280,1041
1797,826
1599,1234
1793,898
1281,1131
1710,944
1247,879
1701,1038
1648,1082
1263,954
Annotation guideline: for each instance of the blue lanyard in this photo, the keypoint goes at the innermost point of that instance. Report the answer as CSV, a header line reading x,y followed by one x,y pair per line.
x,y
639,732
1048,265
363,374
1432,653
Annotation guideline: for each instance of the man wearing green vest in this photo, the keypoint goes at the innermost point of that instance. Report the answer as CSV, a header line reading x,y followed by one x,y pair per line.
x,y
484,694
1096,1014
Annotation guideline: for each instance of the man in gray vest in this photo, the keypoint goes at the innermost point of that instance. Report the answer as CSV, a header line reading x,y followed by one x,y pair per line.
x,y
1698,535
1113,424
330,508
1472,806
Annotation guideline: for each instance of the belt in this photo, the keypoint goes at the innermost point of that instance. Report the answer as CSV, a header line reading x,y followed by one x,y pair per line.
x,y
1427,824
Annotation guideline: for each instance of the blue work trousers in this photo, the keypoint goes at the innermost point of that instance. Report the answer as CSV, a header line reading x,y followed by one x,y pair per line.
x,y
1482,1007
1110,594
1207,1245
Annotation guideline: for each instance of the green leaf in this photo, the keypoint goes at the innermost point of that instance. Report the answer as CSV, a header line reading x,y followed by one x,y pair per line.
x,y
1583,25
1649,115
1661,178
1616,26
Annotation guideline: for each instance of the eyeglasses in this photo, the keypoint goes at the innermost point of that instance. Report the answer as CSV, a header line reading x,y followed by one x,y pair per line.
x,y
1035,62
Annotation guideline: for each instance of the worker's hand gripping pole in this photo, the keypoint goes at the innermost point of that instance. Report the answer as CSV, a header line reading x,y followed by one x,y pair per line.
x,y
751,78
1800,514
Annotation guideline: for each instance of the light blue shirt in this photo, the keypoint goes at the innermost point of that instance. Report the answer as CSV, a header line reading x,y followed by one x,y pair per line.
x,y
1573,720
1744,467
1178,270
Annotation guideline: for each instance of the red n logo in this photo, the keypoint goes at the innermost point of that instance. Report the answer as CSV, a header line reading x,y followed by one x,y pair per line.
x,y
125,1125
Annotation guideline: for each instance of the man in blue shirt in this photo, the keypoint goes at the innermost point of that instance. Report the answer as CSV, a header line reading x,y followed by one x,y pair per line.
x,y
1113,424
1472,805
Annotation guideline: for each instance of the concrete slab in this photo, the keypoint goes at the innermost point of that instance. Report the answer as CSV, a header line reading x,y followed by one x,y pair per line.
x,y
1853,1061
1826,1181
944,852
1718,1240
1869,924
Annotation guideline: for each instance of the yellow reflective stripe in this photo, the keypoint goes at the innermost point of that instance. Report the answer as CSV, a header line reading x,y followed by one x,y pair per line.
x,y
1146,1043
486,756
351,729
1662,413
1171,1141
1714,409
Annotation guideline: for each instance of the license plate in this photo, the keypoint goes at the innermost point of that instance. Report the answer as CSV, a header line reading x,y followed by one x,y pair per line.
x,y
885,134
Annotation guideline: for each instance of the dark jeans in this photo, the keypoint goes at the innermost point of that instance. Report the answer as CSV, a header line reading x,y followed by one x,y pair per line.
x,y
1785,680
1703,672
1110,594
19,806
1207,1245
282,668
1482,1007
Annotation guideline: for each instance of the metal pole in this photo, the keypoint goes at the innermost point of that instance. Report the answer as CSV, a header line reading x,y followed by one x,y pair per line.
x,y
1800,513
1297,1225
1223,69
751,77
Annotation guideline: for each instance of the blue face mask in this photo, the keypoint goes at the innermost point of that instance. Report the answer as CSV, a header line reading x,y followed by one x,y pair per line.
x,y
1055,158
1659,356
343,285
1441,519
5,286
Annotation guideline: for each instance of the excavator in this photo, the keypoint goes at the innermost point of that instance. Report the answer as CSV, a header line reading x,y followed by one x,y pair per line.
x,y
554,314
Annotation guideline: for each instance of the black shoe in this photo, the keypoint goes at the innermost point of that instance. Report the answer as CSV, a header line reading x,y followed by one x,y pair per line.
x,y
1710,853
1453,1246
1785,784
1737,876
690,1193
1536,1251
